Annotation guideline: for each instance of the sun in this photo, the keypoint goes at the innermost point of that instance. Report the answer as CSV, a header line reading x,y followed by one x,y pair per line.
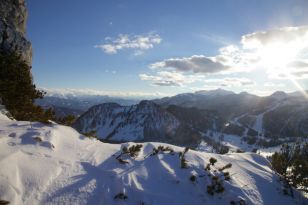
x,y
277,56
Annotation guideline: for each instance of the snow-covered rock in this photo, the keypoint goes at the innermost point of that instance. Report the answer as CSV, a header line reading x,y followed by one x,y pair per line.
x,y
53,164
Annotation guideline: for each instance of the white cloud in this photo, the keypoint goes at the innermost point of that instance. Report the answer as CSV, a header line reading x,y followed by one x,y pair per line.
x,y
195,64
271,84
139,43
166,78
284,35
231,82
281,52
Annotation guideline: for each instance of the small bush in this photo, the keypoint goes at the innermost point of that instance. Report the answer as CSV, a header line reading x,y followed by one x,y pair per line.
x,y
227,166
184,164
38,139
134,150
210,190
240,202
208,167
161,149
226,176
120,196
212,161
192,178
67,120
90,134
232,202
131,151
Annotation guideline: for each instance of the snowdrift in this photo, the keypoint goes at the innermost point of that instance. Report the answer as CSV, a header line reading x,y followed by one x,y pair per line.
x,y
53,164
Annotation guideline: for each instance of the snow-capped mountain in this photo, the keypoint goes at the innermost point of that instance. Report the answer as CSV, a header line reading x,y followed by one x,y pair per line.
x,y
145,121
54,164
246,121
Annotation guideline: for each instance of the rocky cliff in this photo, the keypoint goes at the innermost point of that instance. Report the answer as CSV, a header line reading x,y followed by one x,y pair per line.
x,y
13,17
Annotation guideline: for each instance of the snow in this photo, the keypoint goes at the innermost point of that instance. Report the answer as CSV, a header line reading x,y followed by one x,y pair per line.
x,y
54,164
234,142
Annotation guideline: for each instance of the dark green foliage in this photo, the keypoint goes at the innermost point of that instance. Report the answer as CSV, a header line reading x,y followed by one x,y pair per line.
x,y
252,132
250,140
240,202
184,164
210,189
212,161
227,166
208,167
17,91
90,134
216,186
232,202
134,150
292,163
131,151
226,176
67,120
38,139
239,151
200,119
217,146
120,196
122,161
161,149
217,178
219,188
233,129
192,178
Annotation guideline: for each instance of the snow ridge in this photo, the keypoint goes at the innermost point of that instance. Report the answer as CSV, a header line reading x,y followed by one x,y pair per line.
x,y
53,164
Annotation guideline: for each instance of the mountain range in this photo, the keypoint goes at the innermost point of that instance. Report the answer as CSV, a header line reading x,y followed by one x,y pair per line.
x,y
185,119
77,104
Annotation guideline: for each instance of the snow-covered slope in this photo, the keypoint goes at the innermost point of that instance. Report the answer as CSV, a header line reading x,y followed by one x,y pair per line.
x,y
53,164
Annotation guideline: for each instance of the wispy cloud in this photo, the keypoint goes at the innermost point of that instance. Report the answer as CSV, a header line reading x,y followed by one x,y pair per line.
x,y
139,43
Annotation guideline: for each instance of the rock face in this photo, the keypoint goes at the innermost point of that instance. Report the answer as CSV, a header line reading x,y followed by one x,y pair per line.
x,y
13,17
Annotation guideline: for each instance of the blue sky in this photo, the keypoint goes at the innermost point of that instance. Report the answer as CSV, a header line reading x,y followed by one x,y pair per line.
x,y
168,47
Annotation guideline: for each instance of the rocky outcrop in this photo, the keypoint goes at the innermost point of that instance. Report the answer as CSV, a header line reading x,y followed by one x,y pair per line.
x,y
13,17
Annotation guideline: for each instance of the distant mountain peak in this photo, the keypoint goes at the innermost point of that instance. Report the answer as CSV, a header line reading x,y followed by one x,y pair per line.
x,y
215,92
279,95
